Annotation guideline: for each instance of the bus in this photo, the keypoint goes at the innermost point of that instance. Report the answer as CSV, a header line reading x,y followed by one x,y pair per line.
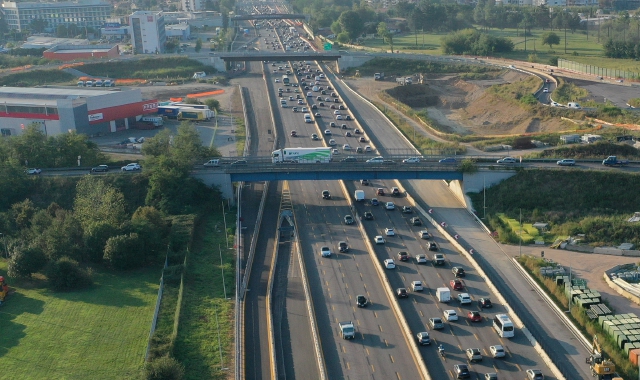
x,y
285,79
503,326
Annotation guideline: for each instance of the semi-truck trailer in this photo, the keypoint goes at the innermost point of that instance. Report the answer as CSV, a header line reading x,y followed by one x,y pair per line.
x,y
302,155
194,114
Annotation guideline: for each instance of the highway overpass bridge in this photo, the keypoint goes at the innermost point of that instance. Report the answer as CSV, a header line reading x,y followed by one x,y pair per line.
x,y
270,16
219,60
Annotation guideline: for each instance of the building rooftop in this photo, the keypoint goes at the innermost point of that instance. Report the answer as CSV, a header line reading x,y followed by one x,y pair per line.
x,y
40,42
10,94
13,4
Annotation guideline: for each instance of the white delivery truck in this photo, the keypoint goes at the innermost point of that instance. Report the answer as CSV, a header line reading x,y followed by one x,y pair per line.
x,y
302,155
359,195
443,294
157,121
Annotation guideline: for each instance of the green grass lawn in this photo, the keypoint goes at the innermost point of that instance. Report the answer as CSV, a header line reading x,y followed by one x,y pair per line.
x,y
98,333
529,232
579,48
204,305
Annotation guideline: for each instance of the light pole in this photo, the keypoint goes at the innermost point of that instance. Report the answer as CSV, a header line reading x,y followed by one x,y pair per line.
x,y
224,286
520,254
484,198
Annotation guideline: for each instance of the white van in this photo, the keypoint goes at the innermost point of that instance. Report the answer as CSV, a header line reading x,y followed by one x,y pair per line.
x,y
359,195
574,105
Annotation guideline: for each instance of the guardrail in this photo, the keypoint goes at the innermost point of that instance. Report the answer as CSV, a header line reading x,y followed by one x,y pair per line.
x,y
270,330
239,309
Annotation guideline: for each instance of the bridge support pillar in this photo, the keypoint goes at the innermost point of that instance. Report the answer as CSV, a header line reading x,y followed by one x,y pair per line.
x,y
219,64
347,61
220,180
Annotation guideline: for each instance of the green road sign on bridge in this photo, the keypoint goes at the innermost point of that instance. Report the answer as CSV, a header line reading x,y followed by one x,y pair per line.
x,y
328,46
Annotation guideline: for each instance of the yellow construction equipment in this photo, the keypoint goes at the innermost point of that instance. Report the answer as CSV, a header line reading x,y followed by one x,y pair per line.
x,y
601,368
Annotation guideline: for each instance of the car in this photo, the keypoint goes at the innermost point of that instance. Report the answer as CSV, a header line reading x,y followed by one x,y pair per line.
x,y
389,232
347,134
411,160
130,167
380,191
300,102
458,271
395,191
333,106
277,80
337,112
327,132
367,215
326,194
321,104
325,251
314,107
416,286
379,240
448,160
343,246
294,134
389,206
374,202
332,142
338,117
415,221
433,246
566,162
346,147
362,301
335,151
534,374
474,354
364,182
344,126
506,160
33,171
105,168
423,338
348,117
375,160
314,137
317,115
348,219
491,376
403,256
436,323
497,351
461,371
368,149
291,97
294,109
438,259
402,293
464,298
450,315
389,264
545,90
349,159
474,316
304,109
485,303
456,284
424,234
318,98
239,162
421,258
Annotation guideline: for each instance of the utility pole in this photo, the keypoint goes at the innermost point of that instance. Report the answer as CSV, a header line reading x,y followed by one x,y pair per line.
x,y
520,254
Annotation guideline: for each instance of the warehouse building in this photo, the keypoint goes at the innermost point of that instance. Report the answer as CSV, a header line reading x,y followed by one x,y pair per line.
x,y
83,13
65,110
81,52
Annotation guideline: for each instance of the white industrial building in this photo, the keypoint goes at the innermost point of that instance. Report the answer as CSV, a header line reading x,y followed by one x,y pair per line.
x,y
182,31
91,13
148,34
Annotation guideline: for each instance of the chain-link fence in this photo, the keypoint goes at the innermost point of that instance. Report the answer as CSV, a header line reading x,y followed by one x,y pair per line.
x,y
595,70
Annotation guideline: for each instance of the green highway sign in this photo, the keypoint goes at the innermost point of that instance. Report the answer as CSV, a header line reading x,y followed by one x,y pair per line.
x,y
328,45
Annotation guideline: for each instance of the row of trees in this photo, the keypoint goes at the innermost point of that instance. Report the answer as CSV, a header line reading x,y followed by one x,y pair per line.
x,y
474,42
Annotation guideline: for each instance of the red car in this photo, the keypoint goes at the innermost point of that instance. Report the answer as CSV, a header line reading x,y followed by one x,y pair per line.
x,y
474,316
403,256
380,191
456,284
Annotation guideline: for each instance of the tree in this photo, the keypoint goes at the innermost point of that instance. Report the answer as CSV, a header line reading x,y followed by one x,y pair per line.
x,y
25,261
164,368
351,24
95,238
125,251
343,37
386,35
65,274
213,104
198,45
336,28
550,38
38,25
96,201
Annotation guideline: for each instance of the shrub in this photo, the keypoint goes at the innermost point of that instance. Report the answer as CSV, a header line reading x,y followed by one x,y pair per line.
x,y
65,274
26,261
529,99
125,251
164,368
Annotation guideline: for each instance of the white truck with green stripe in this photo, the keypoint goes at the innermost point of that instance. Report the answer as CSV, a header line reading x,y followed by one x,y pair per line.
x,y
302,155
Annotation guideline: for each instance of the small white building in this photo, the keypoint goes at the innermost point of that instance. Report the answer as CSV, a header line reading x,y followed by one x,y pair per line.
x,y
570,139
182,31
589,139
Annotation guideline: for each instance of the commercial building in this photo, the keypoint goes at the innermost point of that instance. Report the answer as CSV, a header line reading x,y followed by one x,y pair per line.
x,y
65,110
182,31
73,52
90,13
147,32
194,19
39,42
193,5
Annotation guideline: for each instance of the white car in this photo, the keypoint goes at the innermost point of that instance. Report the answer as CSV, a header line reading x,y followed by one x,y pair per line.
x,y
421,258
497,351
411,160
506,160
327,132
338,117
325,251
368,149
346,147
304,109
450,315
277,80
376,160
335,151
337,112
464,298
378,239
545,90
389,232
34,171
130,167
416,286
332,142
389,206
389,264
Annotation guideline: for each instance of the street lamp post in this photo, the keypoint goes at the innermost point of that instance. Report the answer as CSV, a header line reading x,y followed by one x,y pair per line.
x,y
520,247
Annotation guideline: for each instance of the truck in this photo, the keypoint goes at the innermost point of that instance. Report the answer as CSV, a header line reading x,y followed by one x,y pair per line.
x,y
403,81
169,111
157,121
359,195
613,161
378,76
443,294
347,330
601,367
193,114
302,155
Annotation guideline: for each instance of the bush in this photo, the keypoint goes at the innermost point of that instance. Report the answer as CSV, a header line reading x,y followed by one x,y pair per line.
x,y
164,368
65,274
125,251
471,41
36,78
529,99
26,261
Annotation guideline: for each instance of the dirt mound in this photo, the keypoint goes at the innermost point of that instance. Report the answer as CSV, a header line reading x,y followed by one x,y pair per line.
x,y
415,96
